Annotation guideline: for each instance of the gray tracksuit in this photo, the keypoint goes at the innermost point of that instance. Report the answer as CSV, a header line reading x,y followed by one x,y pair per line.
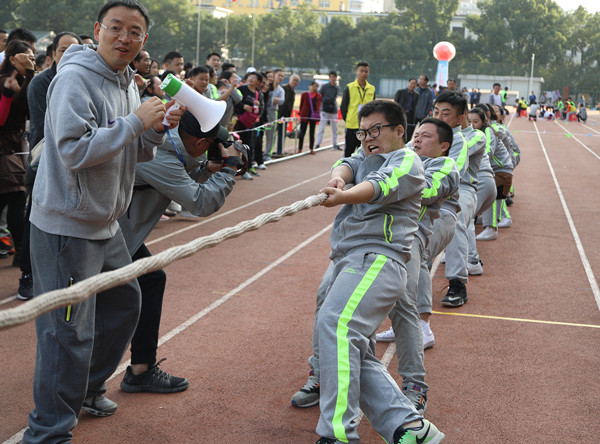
x,y
83,185
442,180
370,244
457,249
164,179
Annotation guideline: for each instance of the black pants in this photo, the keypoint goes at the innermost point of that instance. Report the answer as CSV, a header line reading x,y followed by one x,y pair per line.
x,y
15,216
145,338
352,143
311,134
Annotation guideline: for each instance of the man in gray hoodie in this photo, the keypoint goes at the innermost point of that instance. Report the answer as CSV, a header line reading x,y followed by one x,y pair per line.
x,y
95,132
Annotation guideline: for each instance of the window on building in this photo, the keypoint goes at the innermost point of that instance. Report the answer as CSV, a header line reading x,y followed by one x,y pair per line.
x,y
323,4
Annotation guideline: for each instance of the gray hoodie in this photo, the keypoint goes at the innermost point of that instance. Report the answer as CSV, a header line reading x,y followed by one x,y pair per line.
x,y
164,179
93,141
387,224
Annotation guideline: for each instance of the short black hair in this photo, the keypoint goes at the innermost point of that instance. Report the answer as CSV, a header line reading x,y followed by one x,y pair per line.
x,y
226,75
426,77
333,73
496,84
138,57
392,112
412,78
61,35
197,70
444,131
85,37
3,31
131,4
187,66
21,34
211,70
362,64
171,55
458,101
227,66
213,54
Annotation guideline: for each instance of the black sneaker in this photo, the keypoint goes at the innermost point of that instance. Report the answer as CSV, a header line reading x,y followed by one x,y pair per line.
x,y
327,441
99,406
25,287
457,294
153,380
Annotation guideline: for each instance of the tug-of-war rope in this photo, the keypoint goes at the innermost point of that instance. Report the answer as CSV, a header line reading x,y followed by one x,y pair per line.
x,y
82,290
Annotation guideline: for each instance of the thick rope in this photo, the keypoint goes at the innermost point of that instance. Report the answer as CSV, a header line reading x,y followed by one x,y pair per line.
x,y
104,281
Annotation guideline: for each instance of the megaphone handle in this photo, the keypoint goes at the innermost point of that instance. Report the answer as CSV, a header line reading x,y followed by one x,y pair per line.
x,y
174,107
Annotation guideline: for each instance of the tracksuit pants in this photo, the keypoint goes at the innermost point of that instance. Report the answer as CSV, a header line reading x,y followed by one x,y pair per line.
x,y
363,290
457,250
486,195
78,347
326,118
406,323
443,231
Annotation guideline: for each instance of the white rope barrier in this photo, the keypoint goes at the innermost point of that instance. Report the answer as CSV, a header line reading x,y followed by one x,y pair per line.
x,y
82,290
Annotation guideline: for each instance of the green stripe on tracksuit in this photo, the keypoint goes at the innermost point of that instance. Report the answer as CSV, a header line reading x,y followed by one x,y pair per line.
x,y
363,290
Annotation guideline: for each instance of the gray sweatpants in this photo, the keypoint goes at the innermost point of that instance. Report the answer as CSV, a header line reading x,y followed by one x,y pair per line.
x,y
458,248
78,348
313,361
486,194
443,230
407,323
363,290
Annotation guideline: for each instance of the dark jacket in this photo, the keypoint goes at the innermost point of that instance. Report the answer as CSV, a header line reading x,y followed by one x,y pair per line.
x,y
425,105
12,165
285,109
305,108
408,101
36,96
329,95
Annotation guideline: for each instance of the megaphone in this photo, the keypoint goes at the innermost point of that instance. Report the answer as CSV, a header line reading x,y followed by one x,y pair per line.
x,y
208,112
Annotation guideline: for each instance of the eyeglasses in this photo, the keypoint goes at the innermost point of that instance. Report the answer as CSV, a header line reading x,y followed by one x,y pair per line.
x,y
373,132
117,31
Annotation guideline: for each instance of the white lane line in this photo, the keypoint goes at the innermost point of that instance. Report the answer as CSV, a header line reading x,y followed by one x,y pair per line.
x,y
227,213
17,437
573,136
584,260
8,299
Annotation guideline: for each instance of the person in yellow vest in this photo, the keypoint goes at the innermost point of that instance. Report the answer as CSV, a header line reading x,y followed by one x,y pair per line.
x,y
355,95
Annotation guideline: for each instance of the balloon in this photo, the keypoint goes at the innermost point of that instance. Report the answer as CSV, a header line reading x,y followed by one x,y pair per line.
x,y
444,51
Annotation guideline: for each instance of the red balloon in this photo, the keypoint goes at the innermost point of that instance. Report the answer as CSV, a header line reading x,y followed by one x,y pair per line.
x,y
444,51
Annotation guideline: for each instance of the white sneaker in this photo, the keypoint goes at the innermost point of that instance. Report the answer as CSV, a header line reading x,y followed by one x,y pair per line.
x,y
487,234
247,176
262,166
443,261
505,222
386,336
475,269
428,338
174,206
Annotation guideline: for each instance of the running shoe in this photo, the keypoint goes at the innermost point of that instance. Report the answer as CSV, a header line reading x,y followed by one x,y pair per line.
x,y
153,380
428,337
308,395
99,406
475,269
426,434
25,287
386,336
505,222
457,294
416,395
488,234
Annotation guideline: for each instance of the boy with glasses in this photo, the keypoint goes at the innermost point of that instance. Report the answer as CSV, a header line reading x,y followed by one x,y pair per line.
x,y
366,278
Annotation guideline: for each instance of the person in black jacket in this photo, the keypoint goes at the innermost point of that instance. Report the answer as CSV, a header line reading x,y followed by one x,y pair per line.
x,y
329,109
408,99
285,109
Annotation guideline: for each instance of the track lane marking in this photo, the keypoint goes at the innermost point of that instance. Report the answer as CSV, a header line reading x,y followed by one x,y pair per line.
x,y
503,318
584,260
573,136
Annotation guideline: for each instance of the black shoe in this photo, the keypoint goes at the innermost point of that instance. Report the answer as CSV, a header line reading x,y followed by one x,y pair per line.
x,y
457,294
25,287
153,380
337,147
99,406
327,441
509,201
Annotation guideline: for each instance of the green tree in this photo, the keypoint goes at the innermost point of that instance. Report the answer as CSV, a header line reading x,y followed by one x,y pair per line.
x,y
427,21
